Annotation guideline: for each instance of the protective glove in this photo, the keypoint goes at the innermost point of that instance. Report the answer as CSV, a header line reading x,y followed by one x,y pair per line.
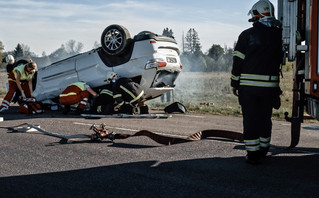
x,y
117,107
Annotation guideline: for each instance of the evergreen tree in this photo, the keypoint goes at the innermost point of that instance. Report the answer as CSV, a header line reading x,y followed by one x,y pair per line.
x,y
18,52
192,43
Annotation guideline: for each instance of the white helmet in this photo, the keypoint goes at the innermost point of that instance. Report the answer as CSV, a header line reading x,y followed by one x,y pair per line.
x,y
9,59
111,76
263,10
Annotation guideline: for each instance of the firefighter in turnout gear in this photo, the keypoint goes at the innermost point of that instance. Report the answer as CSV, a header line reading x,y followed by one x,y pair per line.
x,y
128,95
104,103
78,92
19,78
255,77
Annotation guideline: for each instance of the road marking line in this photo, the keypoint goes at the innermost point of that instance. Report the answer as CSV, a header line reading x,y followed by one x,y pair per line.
x,y
125,129
192,116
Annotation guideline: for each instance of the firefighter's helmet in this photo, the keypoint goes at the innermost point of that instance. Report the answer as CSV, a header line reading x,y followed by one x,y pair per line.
x,y
9,59
261,10
111,77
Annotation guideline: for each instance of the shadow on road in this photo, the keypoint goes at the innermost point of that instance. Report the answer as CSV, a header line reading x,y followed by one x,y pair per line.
x,y
278,176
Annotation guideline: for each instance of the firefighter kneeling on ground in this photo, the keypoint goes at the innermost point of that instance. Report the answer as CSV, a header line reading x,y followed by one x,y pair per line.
x,y
128,95
78,92
103,104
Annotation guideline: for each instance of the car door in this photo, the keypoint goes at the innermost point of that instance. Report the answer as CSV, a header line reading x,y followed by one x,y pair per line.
x,y
53,79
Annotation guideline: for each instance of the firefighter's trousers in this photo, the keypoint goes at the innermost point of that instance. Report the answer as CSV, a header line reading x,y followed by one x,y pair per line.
x,y
12,88
73,95
257,104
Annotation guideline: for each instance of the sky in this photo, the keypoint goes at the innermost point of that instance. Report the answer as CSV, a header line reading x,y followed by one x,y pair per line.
x,y
44,25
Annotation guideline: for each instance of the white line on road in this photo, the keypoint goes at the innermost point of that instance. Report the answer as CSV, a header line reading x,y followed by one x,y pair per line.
x,y
192,116
124,129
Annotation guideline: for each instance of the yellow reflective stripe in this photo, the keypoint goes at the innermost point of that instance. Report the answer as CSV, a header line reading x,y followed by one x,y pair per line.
x,y
127,91
259,84
138,97
259,77
264,142
99,109
121,103
10,79
68,94
252,148
252,145
251,142
138,110
117,96
106,91
239,55
233,77
79,85
265,139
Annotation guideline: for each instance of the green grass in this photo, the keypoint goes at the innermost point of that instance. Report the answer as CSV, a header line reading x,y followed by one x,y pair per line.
x,y
193,89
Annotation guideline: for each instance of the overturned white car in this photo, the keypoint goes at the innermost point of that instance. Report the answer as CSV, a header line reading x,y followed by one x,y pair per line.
x,y
149,59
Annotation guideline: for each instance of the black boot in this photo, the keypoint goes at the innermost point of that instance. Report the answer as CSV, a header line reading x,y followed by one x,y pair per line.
x,y
263,151
253,157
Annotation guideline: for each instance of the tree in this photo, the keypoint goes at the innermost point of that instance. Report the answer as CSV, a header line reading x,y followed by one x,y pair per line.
x,y
73,48
215,52
96,45
168,32
1,55
1,49
27,52
59,54
18,52
192,43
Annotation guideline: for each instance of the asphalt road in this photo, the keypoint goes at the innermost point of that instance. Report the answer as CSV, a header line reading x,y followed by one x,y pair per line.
x,y
36,165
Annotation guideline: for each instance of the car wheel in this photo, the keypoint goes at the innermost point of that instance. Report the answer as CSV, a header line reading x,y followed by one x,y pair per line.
x,y
114,39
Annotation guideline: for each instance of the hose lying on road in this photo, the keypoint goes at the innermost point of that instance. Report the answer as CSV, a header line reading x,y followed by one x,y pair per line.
x,y
167,140
102,133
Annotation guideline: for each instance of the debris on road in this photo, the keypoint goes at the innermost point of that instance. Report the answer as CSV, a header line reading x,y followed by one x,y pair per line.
x,y
102,132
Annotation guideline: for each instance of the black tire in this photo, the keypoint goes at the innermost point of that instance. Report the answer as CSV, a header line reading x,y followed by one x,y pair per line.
x,y
114,39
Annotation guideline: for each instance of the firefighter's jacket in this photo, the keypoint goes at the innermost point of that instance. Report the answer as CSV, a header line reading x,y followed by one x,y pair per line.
x,y
126,91
75,93
103,104
256,61
10,67
25,76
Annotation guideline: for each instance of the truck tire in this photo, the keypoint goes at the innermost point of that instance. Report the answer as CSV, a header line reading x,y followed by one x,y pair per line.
x,y
114,39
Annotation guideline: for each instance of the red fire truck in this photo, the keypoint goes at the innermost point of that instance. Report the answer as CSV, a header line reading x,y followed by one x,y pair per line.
x,y
300,41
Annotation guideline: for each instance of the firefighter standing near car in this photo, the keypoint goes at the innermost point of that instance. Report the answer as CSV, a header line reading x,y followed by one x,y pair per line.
x,y
255,77
78,92
20,77
128,95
